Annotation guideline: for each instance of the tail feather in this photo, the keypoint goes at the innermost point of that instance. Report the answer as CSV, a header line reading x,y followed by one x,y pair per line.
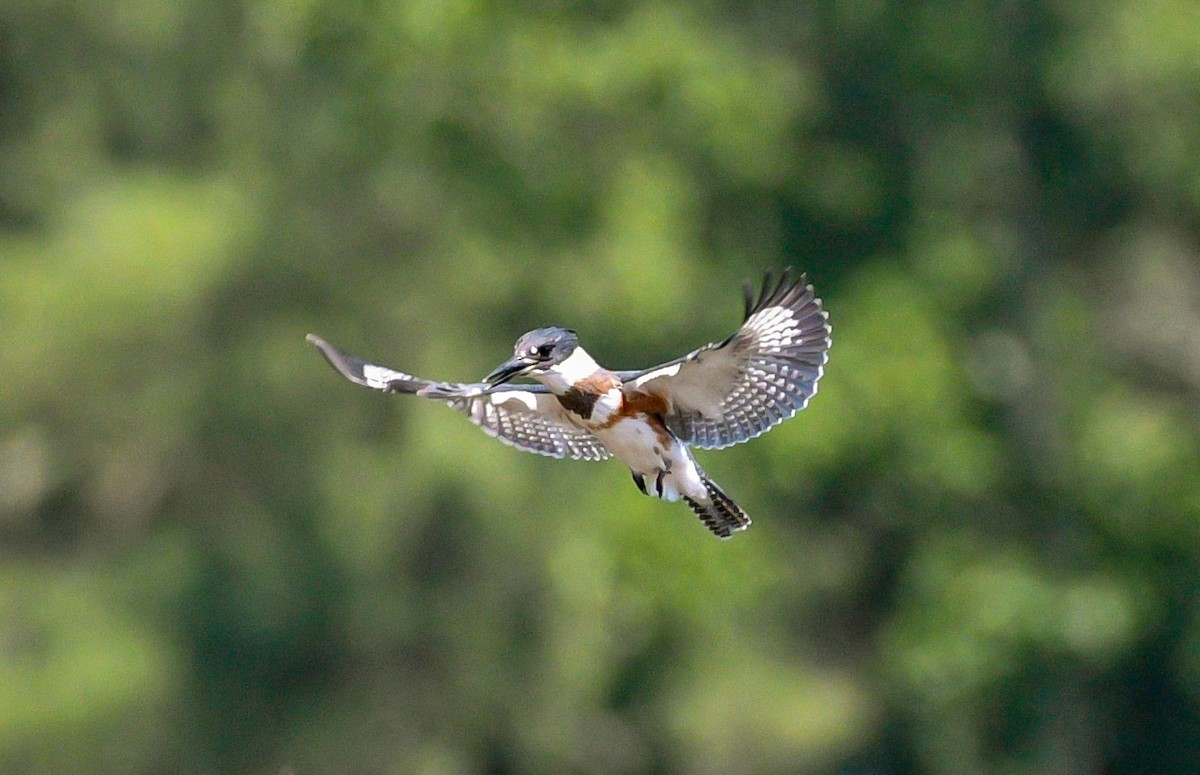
x,y
720,515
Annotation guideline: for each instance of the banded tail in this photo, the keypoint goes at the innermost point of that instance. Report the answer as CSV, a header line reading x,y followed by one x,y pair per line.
x,y
720,515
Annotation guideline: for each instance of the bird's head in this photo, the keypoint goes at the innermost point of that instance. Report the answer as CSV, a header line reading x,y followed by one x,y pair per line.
x,y
536,353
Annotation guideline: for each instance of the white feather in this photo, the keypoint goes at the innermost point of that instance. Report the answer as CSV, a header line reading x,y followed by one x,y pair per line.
x,y
561,377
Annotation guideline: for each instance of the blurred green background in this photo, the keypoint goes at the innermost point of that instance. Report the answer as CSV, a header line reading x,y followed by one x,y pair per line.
x,y
978,551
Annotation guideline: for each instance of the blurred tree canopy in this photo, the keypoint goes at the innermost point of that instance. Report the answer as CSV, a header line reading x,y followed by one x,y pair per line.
x,y
978,551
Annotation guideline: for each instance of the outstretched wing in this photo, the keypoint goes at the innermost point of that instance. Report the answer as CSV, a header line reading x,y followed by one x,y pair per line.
x,y
527,417
734,390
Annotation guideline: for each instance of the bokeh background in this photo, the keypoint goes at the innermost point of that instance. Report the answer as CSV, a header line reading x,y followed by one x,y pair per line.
x,y
978,550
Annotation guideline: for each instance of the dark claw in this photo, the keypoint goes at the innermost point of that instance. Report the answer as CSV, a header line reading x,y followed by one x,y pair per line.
x,y
640,481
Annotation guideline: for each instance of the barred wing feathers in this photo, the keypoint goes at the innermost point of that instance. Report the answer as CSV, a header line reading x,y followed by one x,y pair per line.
x,y
732,391
526,417
534,422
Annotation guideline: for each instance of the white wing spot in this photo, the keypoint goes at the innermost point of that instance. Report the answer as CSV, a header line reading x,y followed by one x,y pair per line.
x,y
380,376
524,397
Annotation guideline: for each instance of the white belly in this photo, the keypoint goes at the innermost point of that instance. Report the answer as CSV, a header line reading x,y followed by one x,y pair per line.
x,y
638,445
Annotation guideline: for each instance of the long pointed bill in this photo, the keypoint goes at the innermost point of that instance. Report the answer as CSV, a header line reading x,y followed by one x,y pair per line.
x,y
513,367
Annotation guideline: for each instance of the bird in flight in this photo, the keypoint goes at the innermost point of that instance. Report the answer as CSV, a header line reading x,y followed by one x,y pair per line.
x,y
650,419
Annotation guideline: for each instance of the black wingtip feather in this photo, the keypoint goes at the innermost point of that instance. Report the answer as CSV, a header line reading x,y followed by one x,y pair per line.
x,y
354,369
785,279
768,282
346,365
748,297
785,290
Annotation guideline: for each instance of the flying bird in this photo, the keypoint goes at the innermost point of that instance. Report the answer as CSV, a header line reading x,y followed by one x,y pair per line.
x,y
721,394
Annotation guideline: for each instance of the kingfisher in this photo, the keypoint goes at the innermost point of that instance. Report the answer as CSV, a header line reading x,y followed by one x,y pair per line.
x,y
721,394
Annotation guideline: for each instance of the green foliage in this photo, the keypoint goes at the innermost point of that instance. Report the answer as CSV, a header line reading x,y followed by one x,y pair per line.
x,y
978,550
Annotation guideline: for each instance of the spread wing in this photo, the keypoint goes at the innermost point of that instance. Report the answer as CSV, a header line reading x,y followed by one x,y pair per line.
x,y
527,417
734,390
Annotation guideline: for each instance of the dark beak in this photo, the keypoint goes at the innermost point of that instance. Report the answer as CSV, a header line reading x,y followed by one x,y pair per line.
x,y
513,367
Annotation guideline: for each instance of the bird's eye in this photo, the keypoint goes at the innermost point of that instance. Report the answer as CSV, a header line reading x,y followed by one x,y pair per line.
x,y
545,350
